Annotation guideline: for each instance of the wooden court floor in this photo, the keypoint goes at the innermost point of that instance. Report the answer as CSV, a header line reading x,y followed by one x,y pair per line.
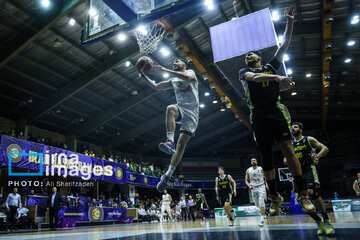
x,y
347,226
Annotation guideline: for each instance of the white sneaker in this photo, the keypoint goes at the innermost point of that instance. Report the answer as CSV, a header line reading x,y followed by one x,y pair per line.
x,y
231,223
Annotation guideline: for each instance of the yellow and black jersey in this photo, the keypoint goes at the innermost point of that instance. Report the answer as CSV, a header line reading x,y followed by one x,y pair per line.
x,y
264,94
224,185
303,151
200,198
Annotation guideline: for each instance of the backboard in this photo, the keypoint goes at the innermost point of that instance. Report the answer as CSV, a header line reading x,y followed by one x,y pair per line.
x,y
108,17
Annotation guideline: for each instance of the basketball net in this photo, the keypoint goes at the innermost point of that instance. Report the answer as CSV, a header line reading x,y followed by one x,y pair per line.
x,y
148,36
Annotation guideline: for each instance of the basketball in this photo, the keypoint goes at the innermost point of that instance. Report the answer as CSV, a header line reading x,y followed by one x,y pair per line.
x,y
144,65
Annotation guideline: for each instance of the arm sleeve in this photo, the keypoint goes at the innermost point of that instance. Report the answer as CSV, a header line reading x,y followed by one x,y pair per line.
x,y
242,73
274,64
7,202
19,199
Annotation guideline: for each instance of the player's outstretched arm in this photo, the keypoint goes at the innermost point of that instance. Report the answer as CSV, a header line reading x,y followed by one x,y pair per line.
x,y
260,77
289,14
187,76
165,85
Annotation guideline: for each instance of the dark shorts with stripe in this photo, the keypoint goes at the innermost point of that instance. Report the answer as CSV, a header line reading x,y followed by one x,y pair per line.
x,y
225,197
310,178
270,124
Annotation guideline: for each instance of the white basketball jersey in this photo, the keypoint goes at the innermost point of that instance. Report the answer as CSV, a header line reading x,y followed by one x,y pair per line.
x,y
166,199
256,176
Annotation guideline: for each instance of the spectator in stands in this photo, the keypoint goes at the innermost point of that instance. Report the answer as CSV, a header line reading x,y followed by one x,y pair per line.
x,y
13,202
91,153
92,203
13,133
71,196
102,195
21,135
54,203
132,167
100,203
25,220
70,202
111,158
103,157
32,192
86,152
77,196
142,213
336,196
78,203
152,169
148,215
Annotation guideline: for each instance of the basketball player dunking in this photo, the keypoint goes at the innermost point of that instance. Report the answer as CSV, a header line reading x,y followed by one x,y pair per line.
x,y
200,201
255,180
224,192
269,119
165,205
305,149
184,112
356,185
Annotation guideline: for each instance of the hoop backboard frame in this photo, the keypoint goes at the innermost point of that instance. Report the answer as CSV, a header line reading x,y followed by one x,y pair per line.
x,y
130,19
284,174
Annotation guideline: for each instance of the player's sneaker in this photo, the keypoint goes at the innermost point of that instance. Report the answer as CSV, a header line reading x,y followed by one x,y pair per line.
x,y
163,182
275,204
167,147
321,227
233,215
261,223
231,222
305,203
328,227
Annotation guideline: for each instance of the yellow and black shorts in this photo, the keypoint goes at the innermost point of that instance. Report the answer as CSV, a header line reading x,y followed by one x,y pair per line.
x,y
269,124
310,177
223,198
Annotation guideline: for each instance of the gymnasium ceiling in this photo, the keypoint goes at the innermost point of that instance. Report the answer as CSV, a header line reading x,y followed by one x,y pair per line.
x,y
48,78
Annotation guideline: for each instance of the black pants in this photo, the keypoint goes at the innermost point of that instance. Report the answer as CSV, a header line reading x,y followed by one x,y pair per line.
x,y
26,221
53,216
11,217
183,213
191,209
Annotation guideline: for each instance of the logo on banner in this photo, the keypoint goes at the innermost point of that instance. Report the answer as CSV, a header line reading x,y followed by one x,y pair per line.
x,y
96,214
15,150
145,180
132,178
119,173
15,156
